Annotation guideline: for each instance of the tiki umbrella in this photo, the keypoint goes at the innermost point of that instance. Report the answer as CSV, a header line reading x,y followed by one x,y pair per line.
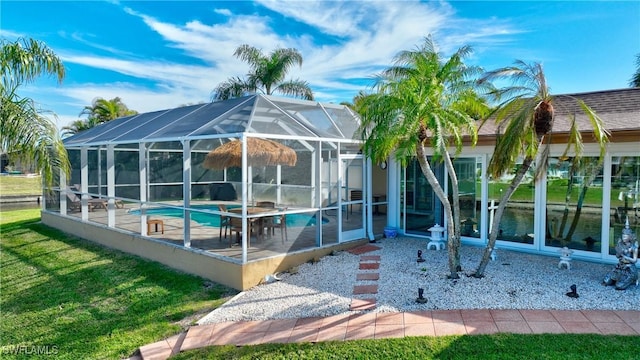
x,y
260,152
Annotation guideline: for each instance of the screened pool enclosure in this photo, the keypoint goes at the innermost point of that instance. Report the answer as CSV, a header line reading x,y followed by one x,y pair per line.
x,y
160,175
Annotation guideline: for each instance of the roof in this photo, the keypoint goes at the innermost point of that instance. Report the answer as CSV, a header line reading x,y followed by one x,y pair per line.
x,y
619,109
259,114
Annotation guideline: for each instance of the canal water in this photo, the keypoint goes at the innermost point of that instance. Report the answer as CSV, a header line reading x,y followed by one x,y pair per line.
x,y
19,206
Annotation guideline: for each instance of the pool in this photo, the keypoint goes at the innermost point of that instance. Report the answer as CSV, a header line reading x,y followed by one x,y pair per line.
x,y
293,220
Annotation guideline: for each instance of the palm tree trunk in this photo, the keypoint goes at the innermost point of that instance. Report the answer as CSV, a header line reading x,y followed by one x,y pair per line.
x,y
515,182
454,249
439,191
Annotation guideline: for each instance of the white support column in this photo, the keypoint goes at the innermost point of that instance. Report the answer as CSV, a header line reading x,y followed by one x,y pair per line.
x,y
279,184
111,187
484,201
100,171
84,180
142,179
393,191
340,181
316,179
367,172
606,207
186,190
63,193
539,212
245,192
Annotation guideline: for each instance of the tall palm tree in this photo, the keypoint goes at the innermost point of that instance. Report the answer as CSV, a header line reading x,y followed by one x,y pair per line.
x,y
420,101
267,75
100,111
26,134
526,114
635,79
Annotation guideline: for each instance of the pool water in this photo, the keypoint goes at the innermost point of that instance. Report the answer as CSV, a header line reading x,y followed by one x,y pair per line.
x,y
293,220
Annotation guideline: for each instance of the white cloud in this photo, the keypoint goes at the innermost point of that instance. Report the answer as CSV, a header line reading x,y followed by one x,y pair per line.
x,y
343,44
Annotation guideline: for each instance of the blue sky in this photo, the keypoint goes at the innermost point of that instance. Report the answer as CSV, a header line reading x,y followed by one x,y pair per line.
x,y
161,54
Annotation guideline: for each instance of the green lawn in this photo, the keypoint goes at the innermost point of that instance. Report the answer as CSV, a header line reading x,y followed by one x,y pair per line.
x,y
85,301
20,185
499,346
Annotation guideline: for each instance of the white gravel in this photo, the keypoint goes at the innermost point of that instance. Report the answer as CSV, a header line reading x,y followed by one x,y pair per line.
x,y
513,281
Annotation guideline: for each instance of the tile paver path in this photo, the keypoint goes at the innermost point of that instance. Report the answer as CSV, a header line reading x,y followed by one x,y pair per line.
x,y
390,325
371,325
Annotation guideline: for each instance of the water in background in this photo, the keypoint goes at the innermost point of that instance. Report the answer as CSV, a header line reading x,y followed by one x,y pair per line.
x,y
19,206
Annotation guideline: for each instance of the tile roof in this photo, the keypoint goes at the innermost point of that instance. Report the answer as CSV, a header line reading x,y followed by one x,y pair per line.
x,y
619,109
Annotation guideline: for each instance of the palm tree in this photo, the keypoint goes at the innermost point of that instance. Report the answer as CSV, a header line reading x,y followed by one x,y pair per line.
x,y
100,111
267,75
26,134
423,101
635,79
76,127
526,114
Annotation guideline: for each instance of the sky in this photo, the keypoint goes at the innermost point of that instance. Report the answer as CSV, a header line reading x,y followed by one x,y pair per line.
x,y
157,55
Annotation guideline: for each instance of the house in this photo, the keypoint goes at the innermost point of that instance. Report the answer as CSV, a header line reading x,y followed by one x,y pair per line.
x,y
217,220
539,218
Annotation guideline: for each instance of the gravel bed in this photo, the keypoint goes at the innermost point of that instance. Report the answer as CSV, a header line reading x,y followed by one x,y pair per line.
x,y
513,281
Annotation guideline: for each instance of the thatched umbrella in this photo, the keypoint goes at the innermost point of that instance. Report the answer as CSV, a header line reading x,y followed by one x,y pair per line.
x,y
260,152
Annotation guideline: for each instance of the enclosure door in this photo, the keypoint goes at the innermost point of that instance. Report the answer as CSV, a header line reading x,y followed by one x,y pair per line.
x,y
353,195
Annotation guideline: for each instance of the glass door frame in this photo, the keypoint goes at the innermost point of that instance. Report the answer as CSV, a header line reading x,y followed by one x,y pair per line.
x,y
352,208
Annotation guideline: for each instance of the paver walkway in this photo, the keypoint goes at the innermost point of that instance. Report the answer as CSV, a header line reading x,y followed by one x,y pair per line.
x,y
371,325
389,325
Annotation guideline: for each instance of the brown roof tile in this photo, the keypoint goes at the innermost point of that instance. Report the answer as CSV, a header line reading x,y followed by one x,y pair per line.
x,y
619,109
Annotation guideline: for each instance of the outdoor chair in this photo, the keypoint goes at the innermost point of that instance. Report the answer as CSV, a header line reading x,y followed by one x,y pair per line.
x,y
224,222
266,204
267,222
278,222
235,225
99,201
74,202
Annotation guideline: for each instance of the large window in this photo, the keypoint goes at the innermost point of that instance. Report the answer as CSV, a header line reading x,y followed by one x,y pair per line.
x,y
516,224
574,203
469,172
625,197
421,209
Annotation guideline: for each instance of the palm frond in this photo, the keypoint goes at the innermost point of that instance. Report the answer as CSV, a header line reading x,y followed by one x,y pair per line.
x,y
597,124
297,88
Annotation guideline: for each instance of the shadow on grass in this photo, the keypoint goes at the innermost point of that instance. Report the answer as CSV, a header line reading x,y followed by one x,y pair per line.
x,y
87,300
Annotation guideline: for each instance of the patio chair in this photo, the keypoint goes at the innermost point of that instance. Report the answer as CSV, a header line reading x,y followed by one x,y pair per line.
x,y
266,204
235,225
267,222
74,202
278,222
99,201
224,222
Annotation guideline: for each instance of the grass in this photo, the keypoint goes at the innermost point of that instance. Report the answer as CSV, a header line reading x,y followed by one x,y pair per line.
x,y
86,301
20,185
498,346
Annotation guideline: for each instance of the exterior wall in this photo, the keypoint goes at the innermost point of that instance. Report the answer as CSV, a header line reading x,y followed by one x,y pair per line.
x,y
539,205
189,260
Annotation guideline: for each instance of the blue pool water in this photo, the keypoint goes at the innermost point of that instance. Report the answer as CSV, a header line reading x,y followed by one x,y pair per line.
x,y
293,220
